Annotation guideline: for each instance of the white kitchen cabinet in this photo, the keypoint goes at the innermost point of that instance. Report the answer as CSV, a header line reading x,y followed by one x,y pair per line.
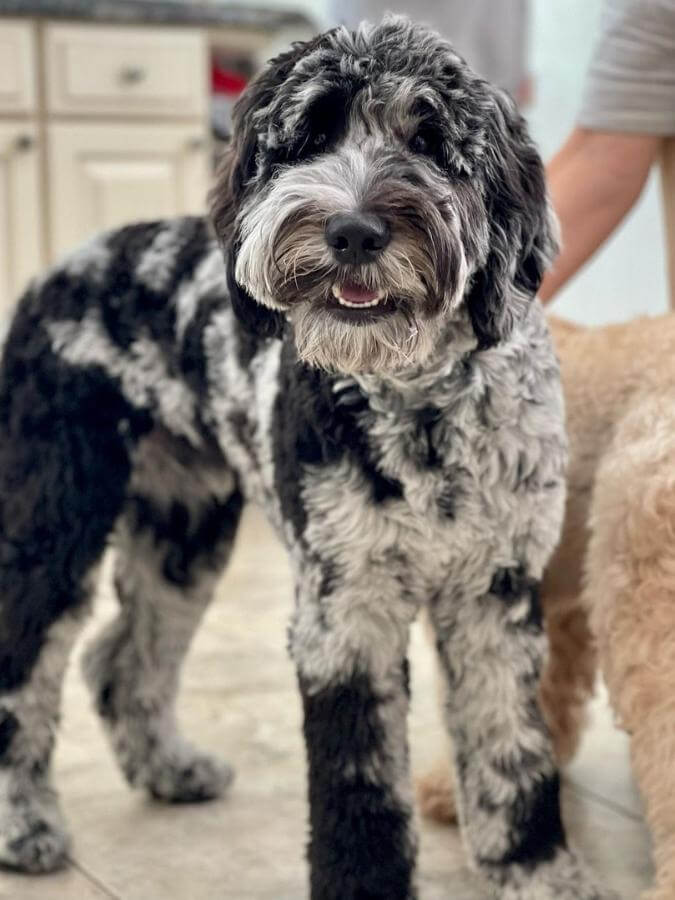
x,y
98,71
100,125
104,175
21,250
17,67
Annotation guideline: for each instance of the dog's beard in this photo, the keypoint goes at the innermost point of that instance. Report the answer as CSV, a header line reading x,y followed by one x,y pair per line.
x,y
285,263
388,345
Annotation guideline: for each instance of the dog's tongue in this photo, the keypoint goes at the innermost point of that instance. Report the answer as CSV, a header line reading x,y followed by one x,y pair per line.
x,y
356,293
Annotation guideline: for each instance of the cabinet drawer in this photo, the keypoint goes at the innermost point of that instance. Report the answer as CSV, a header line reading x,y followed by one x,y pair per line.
x,y
17,66
130,71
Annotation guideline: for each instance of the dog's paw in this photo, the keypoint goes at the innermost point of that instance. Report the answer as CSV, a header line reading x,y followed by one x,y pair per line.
x,y
33,836
436,794
191,780
563,878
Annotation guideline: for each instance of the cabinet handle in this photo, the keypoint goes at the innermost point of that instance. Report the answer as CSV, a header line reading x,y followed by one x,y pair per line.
x,y
25,142
133,74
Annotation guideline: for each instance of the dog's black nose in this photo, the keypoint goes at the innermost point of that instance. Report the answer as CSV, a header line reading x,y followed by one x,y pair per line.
x,y
356,238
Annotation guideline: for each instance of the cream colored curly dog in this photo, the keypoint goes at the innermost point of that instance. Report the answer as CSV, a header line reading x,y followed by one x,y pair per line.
x,y
609,592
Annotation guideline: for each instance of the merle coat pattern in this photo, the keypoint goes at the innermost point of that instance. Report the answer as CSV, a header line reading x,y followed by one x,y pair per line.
x,y
407,443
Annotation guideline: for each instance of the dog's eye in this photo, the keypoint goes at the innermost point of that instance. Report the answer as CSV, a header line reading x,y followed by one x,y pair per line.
x,y
322,126
419,144
425,142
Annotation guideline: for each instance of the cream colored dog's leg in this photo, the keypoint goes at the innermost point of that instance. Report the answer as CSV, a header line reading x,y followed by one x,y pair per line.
x,y
436,787
631,590
568,679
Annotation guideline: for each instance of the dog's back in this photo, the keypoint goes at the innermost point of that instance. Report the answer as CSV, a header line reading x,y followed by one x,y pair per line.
x,y
620,387
607,370
611,375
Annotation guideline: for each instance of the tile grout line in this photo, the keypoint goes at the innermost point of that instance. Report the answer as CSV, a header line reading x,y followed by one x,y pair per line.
x,y
582,791
94,879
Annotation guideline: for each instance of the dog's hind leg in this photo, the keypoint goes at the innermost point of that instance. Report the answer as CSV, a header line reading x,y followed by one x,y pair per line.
x,y
631,595
174,539
436,788
64,467
568,679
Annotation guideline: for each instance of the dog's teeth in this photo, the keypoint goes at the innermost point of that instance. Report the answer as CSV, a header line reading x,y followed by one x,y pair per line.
x,y
356,304
343,302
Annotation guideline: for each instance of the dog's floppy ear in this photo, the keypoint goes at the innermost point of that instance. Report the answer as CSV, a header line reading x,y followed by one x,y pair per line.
x,y
521,226
257,319
236,177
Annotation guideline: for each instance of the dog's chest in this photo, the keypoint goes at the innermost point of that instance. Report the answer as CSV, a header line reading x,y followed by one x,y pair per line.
x,y
408,494
404,477
420,473
446,451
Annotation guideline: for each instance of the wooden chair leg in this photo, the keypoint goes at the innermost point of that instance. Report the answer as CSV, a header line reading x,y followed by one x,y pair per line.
x,y
668,185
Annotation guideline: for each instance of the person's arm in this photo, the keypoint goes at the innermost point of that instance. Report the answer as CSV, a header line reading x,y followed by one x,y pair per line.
x,y
594,180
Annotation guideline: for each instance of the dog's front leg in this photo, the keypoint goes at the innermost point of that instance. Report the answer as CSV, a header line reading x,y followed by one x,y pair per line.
x,y
491,645
352,671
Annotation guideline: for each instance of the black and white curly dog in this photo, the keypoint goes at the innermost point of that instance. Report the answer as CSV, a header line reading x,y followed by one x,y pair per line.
x,y
370,367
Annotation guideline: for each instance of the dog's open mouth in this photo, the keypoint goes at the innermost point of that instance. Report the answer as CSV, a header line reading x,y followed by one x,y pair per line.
x,y
356,296
354,302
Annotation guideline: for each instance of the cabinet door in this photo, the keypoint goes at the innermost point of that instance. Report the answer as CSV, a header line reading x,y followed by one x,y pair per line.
x,y
105,175
20,212
17,66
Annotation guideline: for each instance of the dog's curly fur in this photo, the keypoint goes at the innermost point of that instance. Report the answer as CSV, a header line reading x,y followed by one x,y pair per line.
x,y
608,594
411,453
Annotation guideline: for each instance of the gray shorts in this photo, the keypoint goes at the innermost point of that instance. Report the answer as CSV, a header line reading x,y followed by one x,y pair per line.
x,y
631,81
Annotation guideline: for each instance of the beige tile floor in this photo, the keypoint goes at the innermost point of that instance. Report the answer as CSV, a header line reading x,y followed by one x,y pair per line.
x,y
239,700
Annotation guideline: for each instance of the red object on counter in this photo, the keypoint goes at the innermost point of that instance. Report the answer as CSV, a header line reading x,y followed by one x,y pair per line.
x,y
224,81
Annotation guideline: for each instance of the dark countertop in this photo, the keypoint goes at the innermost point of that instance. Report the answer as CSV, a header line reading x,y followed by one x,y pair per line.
x,y
165,12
